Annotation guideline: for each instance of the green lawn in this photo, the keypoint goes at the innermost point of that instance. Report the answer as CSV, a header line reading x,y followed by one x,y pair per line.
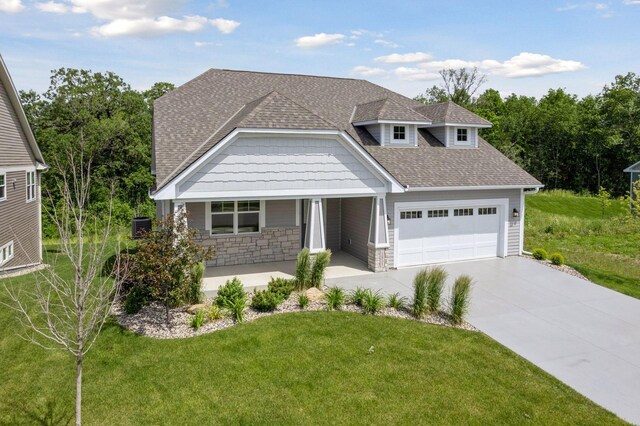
x,y
604,250
292,369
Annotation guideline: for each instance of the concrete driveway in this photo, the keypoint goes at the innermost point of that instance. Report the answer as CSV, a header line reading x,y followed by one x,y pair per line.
x,y
584,334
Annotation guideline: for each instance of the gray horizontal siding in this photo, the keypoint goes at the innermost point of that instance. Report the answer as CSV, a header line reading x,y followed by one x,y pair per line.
x,y
14,148
440,133
280,213
19,221
513,231
281,163
332,223
354,232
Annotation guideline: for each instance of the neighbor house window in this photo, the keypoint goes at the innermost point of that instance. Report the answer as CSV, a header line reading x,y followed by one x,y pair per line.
x,y
6,253
31,186
399,133
235,217
462,135
3,186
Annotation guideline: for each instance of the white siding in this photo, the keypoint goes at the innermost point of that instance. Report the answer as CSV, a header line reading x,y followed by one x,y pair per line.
x,y
282,163
513,233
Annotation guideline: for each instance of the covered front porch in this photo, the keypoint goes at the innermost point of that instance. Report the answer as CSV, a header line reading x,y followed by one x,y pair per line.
x,y
256,275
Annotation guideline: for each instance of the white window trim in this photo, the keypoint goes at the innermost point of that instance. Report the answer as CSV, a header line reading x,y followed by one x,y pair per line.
x,y
33,185
235,213
10,248
3,198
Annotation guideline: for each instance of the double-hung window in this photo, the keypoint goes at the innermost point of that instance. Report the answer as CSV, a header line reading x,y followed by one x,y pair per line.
x,y
6,253
3,186
31,186
235,217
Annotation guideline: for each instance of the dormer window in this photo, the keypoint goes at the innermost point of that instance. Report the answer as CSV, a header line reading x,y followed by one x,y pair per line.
x,y
399,133
462,135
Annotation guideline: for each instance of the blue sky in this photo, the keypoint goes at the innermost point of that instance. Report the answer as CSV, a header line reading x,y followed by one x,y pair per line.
x,y
525,47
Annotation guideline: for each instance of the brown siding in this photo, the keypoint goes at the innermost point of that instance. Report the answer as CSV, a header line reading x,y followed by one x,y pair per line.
x,y
355,215
19,222
14,148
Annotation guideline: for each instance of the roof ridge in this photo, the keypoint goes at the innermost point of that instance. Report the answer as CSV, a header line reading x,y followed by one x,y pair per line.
x,y
286,73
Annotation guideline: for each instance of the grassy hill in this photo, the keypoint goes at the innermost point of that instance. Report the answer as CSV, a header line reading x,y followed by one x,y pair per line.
x,y
604,249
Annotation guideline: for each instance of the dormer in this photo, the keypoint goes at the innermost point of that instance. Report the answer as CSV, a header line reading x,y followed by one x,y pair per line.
x,y
390,123
453,125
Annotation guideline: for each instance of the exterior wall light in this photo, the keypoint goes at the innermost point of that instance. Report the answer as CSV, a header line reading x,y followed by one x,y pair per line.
x,y
516,213
388,220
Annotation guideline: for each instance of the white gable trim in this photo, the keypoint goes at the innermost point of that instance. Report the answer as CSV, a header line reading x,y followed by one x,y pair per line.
x,y
447,123
170,190
366,123
633,168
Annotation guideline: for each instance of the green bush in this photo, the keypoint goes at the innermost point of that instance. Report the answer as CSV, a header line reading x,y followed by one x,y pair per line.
x,y
138,296
195,288
436,278
335,298
557,259
357,296
460,298
215,313
372,303
265,301
303,300
540,254
231,291
282,287
198,319
395,301
237,307
419,304
303,269
319,267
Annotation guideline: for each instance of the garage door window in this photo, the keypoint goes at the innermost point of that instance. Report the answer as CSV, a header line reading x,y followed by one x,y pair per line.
x,y
415,214
487,210
438,213
463,212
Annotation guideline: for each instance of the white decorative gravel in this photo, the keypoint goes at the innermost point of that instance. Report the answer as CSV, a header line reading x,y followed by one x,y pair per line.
x,y
23,271
151,320
562,268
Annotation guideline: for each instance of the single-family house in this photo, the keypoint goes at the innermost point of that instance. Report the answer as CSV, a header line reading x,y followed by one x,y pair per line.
x,y
21,164
269,163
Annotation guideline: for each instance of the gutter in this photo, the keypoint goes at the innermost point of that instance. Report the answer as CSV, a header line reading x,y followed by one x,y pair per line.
x,y
534,188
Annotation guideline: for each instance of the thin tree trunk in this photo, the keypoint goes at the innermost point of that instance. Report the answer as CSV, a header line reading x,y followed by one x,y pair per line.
x,y
79,390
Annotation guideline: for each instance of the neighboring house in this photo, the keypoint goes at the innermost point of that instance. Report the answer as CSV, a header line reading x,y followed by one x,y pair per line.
x,y
20,166
634,173
269,163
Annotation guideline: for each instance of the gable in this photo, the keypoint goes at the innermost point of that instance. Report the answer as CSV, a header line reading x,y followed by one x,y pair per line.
x,y
279,165
14,146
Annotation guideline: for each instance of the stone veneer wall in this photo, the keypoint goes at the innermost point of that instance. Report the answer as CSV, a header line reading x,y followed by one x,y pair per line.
x,y
271,245
377,258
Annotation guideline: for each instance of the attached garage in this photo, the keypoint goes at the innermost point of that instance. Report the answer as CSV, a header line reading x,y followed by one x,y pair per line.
x,y
446,231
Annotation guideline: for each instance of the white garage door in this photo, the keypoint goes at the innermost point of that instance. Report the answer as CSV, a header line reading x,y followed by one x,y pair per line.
x,y
444,234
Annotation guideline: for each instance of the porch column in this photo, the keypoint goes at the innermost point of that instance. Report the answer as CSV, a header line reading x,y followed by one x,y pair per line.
x,y
314,238
179,210
378,235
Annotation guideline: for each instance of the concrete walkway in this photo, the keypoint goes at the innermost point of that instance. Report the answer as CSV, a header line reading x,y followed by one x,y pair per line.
x,y
584,334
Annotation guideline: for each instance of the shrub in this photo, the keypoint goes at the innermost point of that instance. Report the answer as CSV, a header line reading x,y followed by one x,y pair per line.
x,y
303,269
460,297
319,267
557,259
395,301
198,319
372,302
335,298
540,254
436,278
195,288
282,287
303,300
357,296
215,313
138,296
265,301
237,308
230,292
419,304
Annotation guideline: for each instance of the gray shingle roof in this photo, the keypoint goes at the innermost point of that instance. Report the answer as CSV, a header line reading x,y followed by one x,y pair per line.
x,y
450,112
193,118
386,109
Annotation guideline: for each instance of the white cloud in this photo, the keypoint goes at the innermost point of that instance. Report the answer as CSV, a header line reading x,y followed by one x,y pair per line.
x,y
361,32
404,58
225,26
149,27
11,6
530,65
205,43
602,9
415,74
368,71
632,2
319,40
128,9
59,8
386,43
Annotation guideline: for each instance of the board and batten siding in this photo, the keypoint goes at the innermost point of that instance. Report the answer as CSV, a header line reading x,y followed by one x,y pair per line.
x,y
282,163
354,231
14,147
20,221
513,195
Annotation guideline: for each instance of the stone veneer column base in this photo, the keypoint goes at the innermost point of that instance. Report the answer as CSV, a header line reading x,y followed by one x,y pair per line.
x,y
377,258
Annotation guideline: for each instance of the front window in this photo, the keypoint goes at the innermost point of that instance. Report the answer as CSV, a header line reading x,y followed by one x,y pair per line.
x,y
235,217
6,253
31,186
3,187
399,133
462,135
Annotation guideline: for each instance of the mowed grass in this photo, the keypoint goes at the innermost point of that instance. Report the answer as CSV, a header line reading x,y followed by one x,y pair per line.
x,y
605,250
302,368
